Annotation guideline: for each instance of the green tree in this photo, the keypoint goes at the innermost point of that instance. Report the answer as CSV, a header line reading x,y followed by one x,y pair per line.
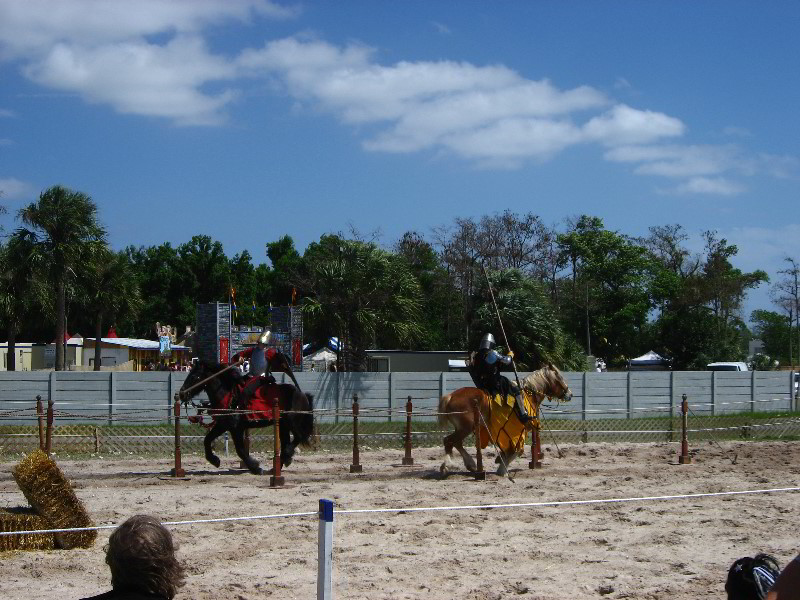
x,y
22,291
442,306
110,290
206,275
773,329
529,320
609,300
283,275
64,229
358,293
157,272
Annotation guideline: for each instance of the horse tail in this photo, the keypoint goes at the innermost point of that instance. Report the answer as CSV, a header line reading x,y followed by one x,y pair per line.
x,y
443,416
305,422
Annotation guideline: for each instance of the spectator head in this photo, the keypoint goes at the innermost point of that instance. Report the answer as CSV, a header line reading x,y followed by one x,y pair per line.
x,y
142,559
751,578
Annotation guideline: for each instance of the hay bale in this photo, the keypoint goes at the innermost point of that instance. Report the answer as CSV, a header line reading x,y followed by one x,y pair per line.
x,y
24,519
51,496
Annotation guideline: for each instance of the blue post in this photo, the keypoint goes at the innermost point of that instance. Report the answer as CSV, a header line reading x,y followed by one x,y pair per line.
x,y
325,560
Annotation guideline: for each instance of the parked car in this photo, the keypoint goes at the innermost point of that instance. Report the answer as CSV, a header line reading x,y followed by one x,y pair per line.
x,y
727,366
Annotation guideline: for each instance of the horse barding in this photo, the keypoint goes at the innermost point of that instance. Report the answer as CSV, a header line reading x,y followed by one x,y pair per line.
x,y
500,424
296,424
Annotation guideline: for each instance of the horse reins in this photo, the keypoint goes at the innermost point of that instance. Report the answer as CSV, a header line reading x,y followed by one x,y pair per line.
x,y
182,394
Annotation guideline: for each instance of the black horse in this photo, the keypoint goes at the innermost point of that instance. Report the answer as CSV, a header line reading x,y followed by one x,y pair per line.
x,y
295,427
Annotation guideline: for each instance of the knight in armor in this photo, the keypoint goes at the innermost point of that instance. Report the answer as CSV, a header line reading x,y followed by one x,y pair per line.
x,y
484,368
262,361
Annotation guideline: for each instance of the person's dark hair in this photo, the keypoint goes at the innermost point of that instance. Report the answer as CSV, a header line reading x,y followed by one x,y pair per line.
x,y
751,578
141,556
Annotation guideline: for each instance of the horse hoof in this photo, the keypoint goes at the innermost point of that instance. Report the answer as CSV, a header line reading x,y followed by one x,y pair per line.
x,y
287,461
257,471
214,460
443,469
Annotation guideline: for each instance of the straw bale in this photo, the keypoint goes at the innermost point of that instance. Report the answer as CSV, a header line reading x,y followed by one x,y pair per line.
x,y
24,519
51,496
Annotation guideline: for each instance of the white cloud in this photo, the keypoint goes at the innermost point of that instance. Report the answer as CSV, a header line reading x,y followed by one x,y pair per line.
x,y
6,113
141,78
625,125
104,52
14,189
707,185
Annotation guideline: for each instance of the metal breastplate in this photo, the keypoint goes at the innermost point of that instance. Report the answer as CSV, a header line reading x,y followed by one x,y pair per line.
x,y
258,362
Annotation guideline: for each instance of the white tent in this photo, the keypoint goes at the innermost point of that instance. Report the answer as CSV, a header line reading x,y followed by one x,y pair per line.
x,y
649,361
321,360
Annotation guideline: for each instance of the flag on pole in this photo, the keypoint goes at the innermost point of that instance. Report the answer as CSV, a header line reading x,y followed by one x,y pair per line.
x,y
233,301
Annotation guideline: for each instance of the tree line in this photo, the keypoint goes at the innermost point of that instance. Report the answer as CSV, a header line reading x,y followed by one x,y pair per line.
x,y
561,292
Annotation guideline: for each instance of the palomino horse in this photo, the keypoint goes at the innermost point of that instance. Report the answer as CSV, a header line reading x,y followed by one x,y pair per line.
x,y
456,409
299,424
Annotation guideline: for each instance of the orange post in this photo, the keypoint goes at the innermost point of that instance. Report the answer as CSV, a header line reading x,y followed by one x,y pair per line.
x,y
277,479
480,474
356,466
40,418
407,460
48,445
176,410
536,449
685,458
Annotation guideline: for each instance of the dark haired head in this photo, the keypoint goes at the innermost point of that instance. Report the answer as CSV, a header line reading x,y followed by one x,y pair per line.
x,y
141,556
751,578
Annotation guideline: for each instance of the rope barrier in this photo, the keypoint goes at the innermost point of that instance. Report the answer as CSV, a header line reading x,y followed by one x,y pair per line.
x,y
414,509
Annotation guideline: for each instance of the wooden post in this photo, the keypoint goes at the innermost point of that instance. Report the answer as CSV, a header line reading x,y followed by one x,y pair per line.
x,y
277,479
684,458
407,460
40,418
480,474
176,409
48,444
356,466
96,441
536,448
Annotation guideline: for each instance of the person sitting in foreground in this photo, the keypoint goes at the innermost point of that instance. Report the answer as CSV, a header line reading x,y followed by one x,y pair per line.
x,y
141,556
788,585
751,578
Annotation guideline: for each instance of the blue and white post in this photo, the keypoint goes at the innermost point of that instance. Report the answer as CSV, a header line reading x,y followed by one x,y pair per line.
x,y
325,560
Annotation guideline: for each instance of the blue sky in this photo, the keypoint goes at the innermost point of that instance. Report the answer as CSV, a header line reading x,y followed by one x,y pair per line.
x,y
247,120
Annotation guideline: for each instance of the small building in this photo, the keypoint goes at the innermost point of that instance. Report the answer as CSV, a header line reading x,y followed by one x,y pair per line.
x,y
23,352
145,354
43,356
383,361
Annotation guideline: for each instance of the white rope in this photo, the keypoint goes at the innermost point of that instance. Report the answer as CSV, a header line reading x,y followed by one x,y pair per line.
x,y
427,509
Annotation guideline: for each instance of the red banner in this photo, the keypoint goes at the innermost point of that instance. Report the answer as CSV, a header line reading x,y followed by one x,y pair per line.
x,y
223,350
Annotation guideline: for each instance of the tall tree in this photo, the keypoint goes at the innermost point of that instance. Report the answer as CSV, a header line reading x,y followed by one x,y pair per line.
x,y
610,298
786,294
22,290
441,302
358,292
109,291
64,228
285,269
529,320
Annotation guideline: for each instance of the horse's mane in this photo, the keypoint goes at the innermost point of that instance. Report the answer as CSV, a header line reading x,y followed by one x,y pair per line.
x,y
543,379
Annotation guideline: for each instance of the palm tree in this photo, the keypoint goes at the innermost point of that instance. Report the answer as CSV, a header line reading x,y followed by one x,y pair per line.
x,y
110,290
529,320
64,229
20,288
360,293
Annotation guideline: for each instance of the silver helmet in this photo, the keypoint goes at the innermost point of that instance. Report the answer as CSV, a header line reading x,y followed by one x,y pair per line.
x,y
264,337
487,342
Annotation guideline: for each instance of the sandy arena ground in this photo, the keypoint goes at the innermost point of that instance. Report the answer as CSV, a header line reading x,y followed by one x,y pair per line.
x,y
677,549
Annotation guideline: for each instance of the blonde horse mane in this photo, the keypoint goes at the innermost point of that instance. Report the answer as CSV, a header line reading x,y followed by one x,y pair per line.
x,y
540,383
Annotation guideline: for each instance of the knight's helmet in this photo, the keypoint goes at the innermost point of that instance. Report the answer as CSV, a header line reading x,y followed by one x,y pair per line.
x,y
264,338
487,342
